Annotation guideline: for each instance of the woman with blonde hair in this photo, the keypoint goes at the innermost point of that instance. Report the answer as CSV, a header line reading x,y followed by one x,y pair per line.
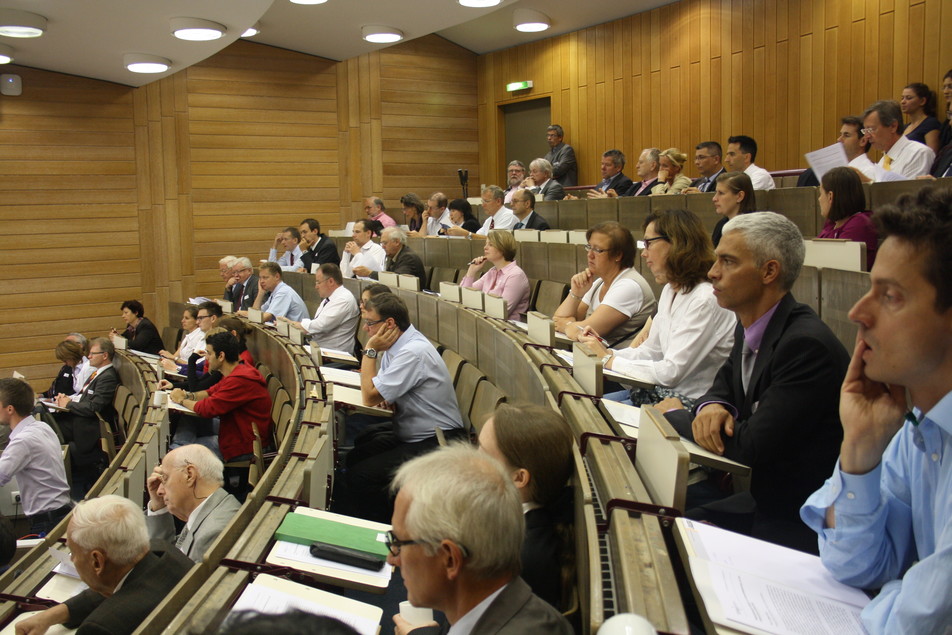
x,y
505,278
670,179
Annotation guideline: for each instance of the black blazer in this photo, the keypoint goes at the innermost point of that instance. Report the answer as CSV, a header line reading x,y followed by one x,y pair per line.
x,y
144,337
62,383
697,182
942,161
535,222
541,548
323,251
249,292
634,188
619,183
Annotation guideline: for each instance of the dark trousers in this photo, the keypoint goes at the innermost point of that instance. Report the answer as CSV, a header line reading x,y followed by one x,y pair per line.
x,y
43,522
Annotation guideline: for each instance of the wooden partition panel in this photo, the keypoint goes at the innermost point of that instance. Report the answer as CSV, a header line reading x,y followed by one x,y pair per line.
x,y
841,290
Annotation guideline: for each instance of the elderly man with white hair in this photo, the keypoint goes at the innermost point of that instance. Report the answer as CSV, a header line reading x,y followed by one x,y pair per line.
x,y
541,183
400,258
188,485
109,547
457,535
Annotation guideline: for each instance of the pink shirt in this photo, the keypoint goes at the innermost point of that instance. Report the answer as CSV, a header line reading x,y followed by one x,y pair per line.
x,y
385,220
859,228
510,282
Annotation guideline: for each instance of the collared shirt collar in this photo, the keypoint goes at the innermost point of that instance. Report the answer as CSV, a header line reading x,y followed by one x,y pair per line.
x,y
190,523
465,624
25,422
754,334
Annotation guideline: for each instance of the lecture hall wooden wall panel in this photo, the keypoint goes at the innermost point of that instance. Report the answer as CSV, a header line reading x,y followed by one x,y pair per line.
x,y
782,71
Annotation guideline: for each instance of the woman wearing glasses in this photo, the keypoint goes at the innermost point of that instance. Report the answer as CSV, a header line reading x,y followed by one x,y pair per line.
x,y
609,295
691,336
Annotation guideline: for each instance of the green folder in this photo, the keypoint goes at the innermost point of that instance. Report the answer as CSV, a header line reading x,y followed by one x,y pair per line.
x,y
303,530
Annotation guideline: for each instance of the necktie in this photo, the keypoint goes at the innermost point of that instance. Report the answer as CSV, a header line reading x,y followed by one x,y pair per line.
x,y
181,539
887,162
706,183
948,171
292,258
89,380
519,225
747,366
236,295
492,223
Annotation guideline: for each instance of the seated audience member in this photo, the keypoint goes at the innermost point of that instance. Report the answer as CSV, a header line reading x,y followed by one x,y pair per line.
x,y
843,205
505,278
34,457
400,258
609,295
243,286
209,315
140,331
79,423
613,162
413,209
773,404
377,211
884,517
335,321
109,547
187,484
498,216
413,379
362,251
649,162
290,239
902,158
275,297
670,178
541,183
193,340
71,354
292,622
918,102
523,206
515,175
82,369
942,166
740,157
733,195
461,215
855,145
458,528
437,215
240,330
320,248
691,336
225,266
534,445
945,131
707,160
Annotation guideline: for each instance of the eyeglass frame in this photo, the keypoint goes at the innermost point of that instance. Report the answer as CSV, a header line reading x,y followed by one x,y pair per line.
x,y
391,541
598,250
646,243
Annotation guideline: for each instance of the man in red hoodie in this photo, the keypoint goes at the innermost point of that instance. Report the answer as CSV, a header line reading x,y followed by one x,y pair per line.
x,y
239,399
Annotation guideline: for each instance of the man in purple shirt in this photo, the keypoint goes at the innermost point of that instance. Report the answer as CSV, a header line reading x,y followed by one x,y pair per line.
x,y
773,404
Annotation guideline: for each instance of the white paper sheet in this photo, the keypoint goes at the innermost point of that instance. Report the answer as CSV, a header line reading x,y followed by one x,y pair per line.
x,y
302,553
825,159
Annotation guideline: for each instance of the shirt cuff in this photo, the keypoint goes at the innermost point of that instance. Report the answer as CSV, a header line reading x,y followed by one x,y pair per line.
x,y
161,512
855,493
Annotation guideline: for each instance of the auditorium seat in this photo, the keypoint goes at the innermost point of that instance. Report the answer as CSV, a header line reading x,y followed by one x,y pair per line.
x,y
551,294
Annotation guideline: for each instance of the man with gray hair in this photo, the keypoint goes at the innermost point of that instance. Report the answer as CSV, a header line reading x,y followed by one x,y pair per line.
x,y
334,324
109,547
498,216
773,404
187,484
561,157
882,125
243,285
457,535
541,183
400,258
649,162
515,175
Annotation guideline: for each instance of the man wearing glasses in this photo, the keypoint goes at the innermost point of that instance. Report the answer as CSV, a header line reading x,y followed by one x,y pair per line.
x,y
457,535
707,160
243,286
882,125
335,321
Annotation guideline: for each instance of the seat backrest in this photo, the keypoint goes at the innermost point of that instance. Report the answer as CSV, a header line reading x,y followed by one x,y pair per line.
x,y
454,364
442,274
551,294
484,403
469,378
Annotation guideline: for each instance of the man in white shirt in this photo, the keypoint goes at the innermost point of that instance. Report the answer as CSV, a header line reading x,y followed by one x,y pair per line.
x,y
498,216
335,322
361,252
883,127
290,260
437,213
856,146
740,157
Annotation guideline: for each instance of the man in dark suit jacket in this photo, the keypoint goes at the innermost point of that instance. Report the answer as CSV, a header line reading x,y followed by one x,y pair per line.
x,y
320,248
400,258
774,403
561,156
103,560
442,574
943,163
707,160
188,485
649,162
523,206
243,286
613,162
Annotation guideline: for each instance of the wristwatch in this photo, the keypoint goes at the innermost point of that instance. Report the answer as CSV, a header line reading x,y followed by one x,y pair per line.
x,y
371,353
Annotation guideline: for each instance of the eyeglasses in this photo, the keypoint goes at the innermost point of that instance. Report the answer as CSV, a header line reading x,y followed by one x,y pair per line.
x,y
597,250
646,243
91,353
868,131
394,544
199,318
369,323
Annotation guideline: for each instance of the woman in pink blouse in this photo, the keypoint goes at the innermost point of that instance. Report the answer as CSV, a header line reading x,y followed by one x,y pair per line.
x,y
505,278
843,205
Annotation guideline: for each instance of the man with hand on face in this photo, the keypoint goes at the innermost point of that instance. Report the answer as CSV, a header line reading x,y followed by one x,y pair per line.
x,y
319,248
290,260
243,285
188,485
361,252
275,298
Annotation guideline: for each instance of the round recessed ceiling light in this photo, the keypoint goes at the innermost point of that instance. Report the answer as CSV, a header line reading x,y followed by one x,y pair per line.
x,y
308,1
196,30
252,31
143,63
21,24
6,54
479,4
530,20
381,34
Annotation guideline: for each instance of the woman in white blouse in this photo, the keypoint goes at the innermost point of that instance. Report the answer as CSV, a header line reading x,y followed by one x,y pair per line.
x,y
691,335
193,340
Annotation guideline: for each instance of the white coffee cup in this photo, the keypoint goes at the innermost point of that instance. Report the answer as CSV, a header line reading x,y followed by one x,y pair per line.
x,y
414,614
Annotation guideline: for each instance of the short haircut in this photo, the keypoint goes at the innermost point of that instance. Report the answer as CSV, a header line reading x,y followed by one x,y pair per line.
x,y
228,261
923,91
557,129
135,306
462,205
771,236
495,192
440,199
653,154
691,252
295,234
740,182
293,622
528,195
225,343
271,267
517,163
923,220
711,146
245,262
847,189
81,340
889,113
853,120
503,241
332,271
617,157
675,156
17,393
542,165
388,305
412,200
312,224
460,494
230,324
746,144
539,440
377,202
209,466
375,227
375,289
213,308
105,345
394,233
67,351
112,524
622,242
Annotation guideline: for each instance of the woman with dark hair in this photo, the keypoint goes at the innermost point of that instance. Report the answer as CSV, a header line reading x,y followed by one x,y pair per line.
x,y
505,278
461,213
193,340
239,329
609,295
691,336
733,195
413,211
843,205
71,354
140,331
918,103
945,131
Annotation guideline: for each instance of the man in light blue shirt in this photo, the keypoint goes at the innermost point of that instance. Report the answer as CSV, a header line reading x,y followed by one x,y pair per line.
x,y
884,518
275,298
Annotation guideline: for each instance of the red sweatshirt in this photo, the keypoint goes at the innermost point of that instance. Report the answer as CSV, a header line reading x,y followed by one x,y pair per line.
x,y
238,399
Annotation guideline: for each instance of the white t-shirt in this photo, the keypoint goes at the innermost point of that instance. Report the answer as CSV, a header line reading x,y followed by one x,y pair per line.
x,y
624,295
